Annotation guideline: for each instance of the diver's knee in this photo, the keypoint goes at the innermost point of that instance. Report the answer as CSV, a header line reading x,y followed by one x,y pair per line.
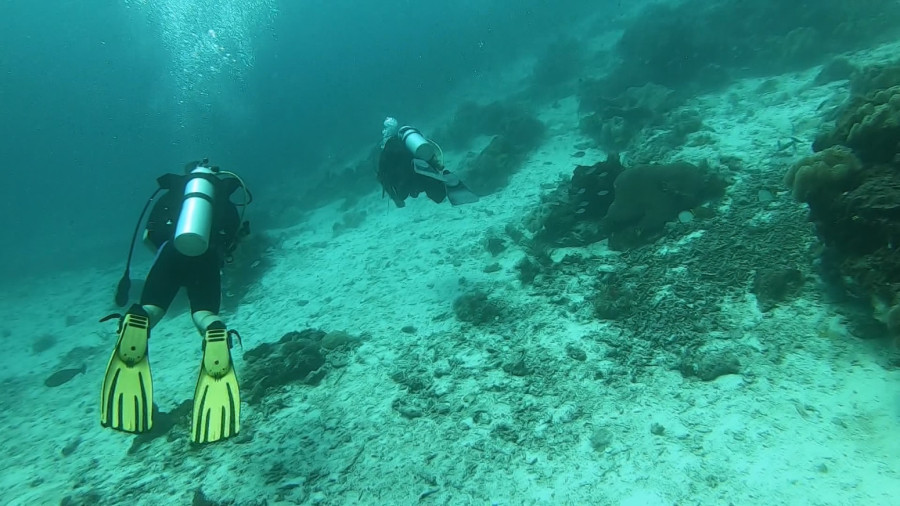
x,y
154,314
203,320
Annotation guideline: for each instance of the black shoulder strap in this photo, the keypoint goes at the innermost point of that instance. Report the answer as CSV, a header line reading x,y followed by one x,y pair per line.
x,y
230,184
170,181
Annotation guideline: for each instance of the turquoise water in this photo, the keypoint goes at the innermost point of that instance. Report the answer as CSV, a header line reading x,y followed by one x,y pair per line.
x,y
677,285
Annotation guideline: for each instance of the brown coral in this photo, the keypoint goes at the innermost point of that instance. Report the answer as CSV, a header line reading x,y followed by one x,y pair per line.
x,y
861,229
614,122
870,125
823,175
649,196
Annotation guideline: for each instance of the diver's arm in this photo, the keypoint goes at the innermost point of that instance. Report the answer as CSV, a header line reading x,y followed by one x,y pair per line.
x,y
232,229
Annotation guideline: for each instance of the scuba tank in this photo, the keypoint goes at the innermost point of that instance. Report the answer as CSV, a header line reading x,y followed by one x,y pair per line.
x,y
198,205
195,219
416,143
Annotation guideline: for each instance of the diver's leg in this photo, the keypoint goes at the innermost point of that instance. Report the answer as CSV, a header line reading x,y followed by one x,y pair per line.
x,y
126,398
126,401
217,400
203,320
161,285
205,291
435,190
457,192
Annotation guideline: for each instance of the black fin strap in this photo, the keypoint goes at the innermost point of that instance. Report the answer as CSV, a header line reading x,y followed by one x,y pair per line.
x,y
235,333
110,317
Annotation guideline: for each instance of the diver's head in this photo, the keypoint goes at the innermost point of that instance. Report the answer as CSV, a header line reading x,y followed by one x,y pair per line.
x,y
192,166
390,129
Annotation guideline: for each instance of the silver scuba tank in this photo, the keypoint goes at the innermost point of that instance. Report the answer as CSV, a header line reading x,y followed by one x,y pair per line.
x,y
416,143
195,221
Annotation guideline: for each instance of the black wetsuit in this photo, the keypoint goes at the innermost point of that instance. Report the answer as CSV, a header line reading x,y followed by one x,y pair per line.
x,y
199,275
398,178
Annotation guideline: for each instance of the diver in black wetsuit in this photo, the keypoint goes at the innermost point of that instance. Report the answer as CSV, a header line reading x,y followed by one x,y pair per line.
x,y
186,256
411,164
193,228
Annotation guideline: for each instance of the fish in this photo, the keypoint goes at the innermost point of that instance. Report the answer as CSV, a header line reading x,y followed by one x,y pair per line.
x,y
64,376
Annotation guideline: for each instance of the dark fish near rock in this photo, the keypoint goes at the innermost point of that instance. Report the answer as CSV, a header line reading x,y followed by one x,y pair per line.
x,y
62,377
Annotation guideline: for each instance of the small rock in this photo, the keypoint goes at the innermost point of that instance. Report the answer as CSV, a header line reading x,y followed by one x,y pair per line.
x,y
494,267
495,246
408,410
584,145
336,339
576,353
709,365
601,438
517,367
442,408
566,413
408,329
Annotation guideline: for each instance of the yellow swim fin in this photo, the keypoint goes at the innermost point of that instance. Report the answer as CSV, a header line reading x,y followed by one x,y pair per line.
x,y
126,400
217,399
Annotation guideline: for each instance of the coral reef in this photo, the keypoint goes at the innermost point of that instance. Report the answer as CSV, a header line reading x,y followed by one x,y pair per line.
x,y
875,77
672,297
478,309
494,244
515,131
628,206
571,215
298,357
491,170
614,122
892,320
649,196
708,363
701,44
870,125
614,298
673,131
862,227
527,270
823,175
775,286
852,187
837,69
521,129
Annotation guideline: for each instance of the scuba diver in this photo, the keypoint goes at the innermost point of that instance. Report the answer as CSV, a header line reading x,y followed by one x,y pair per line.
x,y
194,227
411,164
